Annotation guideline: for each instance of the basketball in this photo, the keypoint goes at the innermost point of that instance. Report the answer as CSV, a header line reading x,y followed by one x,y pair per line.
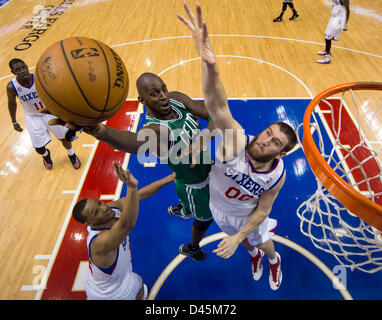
x,y
81,81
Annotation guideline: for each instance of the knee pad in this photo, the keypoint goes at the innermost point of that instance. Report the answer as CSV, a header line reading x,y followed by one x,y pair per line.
x,y
40,150
202,225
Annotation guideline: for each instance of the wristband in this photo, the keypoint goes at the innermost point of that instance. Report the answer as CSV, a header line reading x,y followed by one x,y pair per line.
x,y
15,122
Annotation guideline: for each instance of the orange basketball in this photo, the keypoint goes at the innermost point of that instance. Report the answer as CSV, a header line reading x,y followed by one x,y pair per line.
x,y
81,81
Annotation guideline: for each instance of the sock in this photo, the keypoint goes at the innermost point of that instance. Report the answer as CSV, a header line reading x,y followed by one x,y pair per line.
x,y
290,4
70,151
46,153
283,10
273,261
254,252
328,45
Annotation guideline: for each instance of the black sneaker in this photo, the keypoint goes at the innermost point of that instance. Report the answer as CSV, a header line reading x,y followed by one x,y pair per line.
x,y
278,19
75,161
195,254
177,211
48,163
294,16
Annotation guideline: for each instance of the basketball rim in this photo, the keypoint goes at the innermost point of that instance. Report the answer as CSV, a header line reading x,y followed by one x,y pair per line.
x,y
365,208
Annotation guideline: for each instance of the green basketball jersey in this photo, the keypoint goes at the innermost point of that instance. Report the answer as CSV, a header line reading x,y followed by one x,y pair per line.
x,y
183,129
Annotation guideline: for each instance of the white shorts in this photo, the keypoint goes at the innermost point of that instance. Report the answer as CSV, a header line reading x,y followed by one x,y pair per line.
x,y
233,224
38,129
128,289
336,23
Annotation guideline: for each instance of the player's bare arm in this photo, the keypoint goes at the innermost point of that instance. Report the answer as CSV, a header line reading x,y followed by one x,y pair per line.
x,y
196,107
12,107
125,141
227,247
152,188
214,93
347,7
108,241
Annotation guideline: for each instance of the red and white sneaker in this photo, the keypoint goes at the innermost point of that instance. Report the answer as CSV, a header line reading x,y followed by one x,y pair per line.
x,y
75,161
257,266
48,163
275,274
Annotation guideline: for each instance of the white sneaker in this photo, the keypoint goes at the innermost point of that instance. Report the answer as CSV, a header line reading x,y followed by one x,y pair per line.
x,y
325,60
275,274
256,264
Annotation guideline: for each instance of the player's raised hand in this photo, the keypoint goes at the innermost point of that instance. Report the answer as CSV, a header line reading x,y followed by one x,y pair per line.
x,y
199,33
124,175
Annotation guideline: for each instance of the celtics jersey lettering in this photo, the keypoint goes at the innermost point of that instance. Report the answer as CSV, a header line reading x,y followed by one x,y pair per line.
x,y
182,130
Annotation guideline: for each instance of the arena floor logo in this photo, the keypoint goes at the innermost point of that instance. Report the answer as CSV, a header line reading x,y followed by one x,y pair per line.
x,y
44,17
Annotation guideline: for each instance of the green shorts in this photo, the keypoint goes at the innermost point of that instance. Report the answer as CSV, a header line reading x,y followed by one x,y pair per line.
x,y
196,202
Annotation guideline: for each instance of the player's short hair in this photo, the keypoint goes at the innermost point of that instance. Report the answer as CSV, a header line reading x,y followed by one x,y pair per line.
x,y
78,209
290,133
14,61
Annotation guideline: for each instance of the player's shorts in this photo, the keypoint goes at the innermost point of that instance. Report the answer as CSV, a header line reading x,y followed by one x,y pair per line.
x,y
287,1
336,23
38,129
233,224
195,201
128,289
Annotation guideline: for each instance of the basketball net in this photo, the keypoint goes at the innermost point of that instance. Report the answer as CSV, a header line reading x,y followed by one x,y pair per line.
x,y
355,156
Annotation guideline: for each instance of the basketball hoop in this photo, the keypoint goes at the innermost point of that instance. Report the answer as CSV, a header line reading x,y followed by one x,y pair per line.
x,y
344,215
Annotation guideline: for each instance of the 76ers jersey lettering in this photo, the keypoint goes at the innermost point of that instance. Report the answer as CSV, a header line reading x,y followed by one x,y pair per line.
x,y
235,185
245,181
28,97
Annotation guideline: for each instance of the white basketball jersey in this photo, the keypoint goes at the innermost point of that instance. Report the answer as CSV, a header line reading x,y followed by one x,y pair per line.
x,y
235,185
111,282
338,9
28,97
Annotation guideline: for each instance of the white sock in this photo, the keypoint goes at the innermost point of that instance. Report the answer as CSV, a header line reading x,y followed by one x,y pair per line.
x,y
46,153
273,261
70,151
254,252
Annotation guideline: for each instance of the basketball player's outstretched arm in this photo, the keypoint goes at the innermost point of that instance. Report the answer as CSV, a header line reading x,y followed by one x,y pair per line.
x,y
12,107
215,97
108,240
146,191
154,187
125,141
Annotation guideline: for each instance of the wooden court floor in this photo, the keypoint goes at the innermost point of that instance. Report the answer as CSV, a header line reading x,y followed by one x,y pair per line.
x,y
257,58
